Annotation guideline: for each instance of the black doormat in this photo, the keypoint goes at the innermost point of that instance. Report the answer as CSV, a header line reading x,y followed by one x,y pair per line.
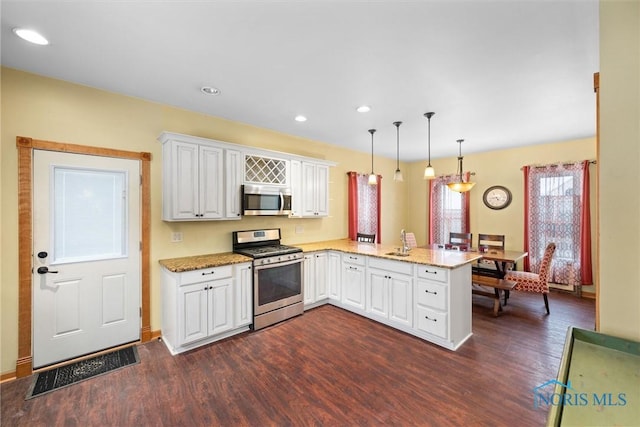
x,y
64,376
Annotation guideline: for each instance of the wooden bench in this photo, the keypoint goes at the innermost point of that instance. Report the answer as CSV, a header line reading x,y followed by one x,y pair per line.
x,y
497,284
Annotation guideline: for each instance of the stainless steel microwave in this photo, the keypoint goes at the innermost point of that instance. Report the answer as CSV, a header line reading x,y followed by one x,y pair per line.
x,y
266,200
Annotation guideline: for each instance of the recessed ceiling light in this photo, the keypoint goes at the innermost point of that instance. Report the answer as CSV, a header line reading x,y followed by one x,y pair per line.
x,y
301,118
363,109
31,36
210,90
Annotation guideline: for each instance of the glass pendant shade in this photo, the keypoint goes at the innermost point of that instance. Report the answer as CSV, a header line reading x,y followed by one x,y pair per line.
x,y
459,185
373,180
397,176
429,171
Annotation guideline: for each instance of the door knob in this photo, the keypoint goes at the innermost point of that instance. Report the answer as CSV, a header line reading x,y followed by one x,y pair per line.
x,y
44,270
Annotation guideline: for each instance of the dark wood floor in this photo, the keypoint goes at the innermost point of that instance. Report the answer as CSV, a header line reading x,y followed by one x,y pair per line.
x,y
327,368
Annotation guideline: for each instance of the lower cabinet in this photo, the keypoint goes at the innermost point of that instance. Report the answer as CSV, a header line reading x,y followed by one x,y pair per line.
x,y
390,291
334,270
353,281
200,306
315,274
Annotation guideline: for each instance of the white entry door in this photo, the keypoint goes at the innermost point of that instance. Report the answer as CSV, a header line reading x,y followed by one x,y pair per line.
x,y
86,254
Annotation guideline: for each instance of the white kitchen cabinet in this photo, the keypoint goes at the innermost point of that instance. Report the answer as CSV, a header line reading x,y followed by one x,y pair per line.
x,y
233,169
192,182
243,294
315,190
443,304
308,276
353,281
296,188
199,306
315,278
334,280
390,291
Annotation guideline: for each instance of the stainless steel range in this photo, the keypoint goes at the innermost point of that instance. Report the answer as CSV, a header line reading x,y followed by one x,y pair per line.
x,y
277,275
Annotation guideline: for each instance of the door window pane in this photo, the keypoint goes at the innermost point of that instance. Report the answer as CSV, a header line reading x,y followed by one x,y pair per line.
x,y
89,214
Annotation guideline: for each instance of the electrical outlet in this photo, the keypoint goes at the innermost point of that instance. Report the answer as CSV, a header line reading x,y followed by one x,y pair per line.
x,y
299,229
176,237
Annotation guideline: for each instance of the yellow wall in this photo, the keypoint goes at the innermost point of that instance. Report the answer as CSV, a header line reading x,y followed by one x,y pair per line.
x,y
42,108
53,110
619,159
501,168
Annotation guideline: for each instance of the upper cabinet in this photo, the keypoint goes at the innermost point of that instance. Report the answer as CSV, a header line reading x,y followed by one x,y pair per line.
x,y
315,190
192,182
202,178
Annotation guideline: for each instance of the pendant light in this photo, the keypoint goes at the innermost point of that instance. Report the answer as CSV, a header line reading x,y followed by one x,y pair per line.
x,y
459,185
373,180
397,176
429,171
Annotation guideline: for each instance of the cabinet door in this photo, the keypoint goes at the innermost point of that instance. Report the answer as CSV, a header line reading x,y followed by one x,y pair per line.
x,y
309,275
192,312
210,179
353,282
184,180
321,263
220,301
243,286
334,281
233,179
309,190
296,188
401,299
377,299
322,190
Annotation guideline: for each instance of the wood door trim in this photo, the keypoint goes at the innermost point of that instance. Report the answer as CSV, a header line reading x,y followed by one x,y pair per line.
x,y
26,146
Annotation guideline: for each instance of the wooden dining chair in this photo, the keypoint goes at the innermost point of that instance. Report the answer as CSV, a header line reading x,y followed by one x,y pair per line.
x,y
491,241
461,239
367,238
532,282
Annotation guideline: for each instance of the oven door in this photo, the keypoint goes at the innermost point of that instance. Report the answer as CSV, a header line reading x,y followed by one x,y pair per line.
x,y
277,285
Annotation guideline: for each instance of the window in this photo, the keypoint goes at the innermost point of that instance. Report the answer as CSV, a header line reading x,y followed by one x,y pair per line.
x,y
364,206
557,210
448,210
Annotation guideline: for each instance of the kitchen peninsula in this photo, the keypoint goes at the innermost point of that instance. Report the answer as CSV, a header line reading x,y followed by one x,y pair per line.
x,y
426,293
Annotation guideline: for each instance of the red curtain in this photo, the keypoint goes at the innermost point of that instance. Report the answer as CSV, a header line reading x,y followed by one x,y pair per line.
x,y
526,263
364,215
353,205
586,266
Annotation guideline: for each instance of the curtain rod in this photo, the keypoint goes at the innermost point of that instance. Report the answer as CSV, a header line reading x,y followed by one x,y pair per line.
x,y
591,162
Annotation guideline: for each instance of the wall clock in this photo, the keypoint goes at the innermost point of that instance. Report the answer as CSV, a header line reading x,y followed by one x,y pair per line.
x,y
497,197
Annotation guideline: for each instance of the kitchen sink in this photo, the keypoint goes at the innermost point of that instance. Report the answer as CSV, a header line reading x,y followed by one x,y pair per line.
x,y
397,253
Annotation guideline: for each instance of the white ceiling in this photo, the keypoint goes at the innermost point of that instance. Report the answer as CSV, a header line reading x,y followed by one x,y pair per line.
x,y
496,73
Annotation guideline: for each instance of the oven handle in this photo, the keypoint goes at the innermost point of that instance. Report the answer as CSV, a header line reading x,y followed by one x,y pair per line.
x,y
278,264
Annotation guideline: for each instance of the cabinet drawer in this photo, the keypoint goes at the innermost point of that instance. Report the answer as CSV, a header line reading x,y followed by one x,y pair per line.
x,y
432,322
205,274
353,259
432,294
433,273
390,265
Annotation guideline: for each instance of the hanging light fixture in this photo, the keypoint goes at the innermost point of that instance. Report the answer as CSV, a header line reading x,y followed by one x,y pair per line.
x,y
429,171
397,176
459,185
373,180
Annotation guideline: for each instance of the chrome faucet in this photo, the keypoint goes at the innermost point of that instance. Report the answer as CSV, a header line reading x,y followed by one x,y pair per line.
x,y
403,238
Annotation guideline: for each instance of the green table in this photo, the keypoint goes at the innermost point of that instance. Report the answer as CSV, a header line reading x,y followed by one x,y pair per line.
x,y
598,382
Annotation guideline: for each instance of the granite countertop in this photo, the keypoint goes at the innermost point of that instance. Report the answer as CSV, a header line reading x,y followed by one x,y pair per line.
x,y
435,257
188,263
